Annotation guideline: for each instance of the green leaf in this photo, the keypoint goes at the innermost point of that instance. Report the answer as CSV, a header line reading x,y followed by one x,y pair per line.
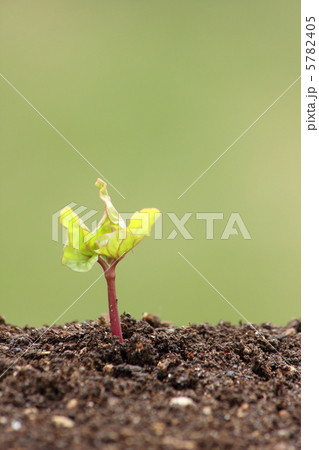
x,y
141,223
111,216
116,244
113,246
77,261
111,219
77,230
111,239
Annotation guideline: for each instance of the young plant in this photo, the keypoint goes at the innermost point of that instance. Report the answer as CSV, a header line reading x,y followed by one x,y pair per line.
x,y
106,245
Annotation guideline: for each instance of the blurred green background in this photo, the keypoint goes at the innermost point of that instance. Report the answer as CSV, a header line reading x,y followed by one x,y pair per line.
x,y
152,92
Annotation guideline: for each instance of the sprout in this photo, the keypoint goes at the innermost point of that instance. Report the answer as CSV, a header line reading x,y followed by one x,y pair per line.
x,y
107,244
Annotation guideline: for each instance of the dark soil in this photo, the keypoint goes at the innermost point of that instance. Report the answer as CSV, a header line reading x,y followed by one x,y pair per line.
x,y
196,387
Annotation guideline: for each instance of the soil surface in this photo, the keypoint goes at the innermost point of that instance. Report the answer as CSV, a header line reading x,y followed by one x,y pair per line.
x,y
196,387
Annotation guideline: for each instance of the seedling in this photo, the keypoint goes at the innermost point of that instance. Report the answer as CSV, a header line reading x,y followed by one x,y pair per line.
x,y
106,245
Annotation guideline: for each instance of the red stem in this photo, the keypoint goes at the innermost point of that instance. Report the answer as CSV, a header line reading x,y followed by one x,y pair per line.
x,y
109,273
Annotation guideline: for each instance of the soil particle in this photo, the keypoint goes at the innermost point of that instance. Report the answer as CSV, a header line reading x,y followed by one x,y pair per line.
x,y
181,402
196,387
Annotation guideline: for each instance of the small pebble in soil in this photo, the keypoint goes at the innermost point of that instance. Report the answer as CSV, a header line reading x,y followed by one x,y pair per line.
x,y
181,402
284,414
288,332
108,368
73,403
30,411
242,410
158,427
16,425
63,421
207,410
172,442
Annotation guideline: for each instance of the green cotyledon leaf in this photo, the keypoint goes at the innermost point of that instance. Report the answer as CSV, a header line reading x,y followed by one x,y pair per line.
x,y
77,230
113,246
110,240
111,216
77,261
141,223
116,244
111,219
